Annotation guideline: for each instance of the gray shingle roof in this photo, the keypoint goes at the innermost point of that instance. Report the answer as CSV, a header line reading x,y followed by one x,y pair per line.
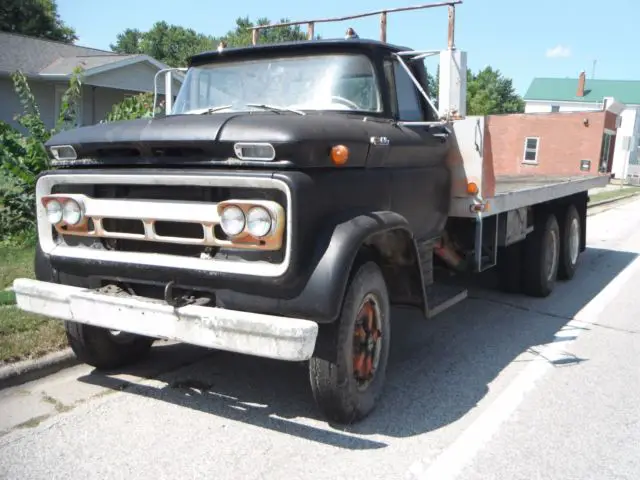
x,y
64,66
35,55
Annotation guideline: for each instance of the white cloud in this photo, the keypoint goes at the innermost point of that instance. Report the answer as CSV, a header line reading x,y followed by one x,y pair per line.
x,y
559,51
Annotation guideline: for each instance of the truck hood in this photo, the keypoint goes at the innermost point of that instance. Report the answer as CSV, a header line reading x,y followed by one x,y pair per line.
x,y
302,141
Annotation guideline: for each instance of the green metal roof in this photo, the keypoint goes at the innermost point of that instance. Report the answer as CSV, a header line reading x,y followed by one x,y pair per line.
x,y
564,90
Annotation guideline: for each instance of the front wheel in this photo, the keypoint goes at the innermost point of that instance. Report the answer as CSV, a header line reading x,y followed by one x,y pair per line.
x,y
106,349
347,388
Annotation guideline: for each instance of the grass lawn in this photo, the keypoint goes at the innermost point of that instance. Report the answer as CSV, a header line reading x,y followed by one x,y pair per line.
x,y
14,263
23,335
613,193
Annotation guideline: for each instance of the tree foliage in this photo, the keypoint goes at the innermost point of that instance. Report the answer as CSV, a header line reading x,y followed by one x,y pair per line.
x,y
131,108
166,43
173,44
36,18
488,92
242,34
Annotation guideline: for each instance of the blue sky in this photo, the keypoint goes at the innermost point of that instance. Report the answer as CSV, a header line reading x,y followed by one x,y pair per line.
x,y
522,38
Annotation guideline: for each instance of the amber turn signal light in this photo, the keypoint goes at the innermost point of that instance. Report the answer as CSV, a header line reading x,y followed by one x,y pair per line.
x,y
472,188
339,154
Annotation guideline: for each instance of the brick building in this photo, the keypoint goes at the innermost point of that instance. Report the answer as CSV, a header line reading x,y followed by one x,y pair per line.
x,y
620,143
558,143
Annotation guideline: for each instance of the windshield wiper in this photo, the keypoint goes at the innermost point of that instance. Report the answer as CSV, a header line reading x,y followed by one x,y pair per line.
x,y
274,108
214,109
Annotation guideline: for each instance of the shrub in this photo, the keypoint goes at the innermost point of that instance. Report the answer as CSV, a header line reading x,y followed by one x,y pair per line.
x,y
131,108
23,157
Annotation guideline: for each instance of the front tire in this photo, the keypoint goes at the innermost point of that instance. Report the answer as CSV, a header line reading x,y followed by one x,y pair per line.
x,y
347,388
104,349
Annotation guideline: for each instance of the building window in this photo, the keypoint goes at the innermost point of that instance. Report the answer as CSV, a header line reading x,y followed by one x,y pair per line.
x,y
555,108
605,153
531,150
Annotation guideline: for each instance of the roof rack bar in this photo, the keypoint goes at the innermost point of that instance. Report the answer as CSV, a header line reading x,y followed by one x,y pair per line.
x,y
452,27
383,20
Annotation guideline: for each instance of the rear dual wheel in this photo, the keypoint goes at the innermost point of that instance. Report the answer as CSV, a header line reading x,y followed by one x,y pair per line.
x,y
549,253
571,235
348,387
542,256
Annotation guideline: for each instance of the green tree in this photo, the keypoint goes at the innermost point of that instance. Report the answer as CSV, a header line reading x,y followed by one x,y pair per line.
x,y
128,41
173,44
241,36
167,43
36,18
489,92
433,82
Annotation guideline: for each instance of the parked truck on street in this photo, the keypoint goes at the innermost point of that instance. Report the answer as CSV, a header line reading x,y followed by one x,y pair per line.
x,y
290,195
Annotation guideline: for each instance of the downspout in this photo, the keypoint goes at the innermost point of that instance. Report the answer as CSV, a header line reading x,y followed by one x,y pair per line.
x,y
93,105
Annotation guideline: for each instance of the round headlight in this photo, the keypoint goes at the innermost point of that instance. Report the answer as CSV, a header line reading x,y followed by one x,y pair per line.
x,y
232,221
71,212
259,222
54,211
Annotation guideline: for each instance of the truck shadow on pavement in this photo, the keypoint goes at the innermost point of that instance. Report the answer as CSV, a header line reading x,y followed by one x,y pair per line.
x,y
439,370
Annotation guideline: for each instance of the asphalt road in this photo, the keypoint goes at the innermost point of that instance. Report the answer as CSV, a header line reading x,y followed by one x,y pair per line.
x,y
500,386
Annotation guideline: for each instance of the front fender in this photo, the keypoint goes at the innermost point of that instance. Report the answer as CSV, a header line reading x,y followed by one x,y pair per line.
x,y
333,255
331,273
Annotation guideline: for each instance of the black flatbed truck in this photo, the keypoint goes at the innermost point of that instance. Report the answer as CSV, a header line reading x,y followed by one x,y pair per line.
x,y
290,196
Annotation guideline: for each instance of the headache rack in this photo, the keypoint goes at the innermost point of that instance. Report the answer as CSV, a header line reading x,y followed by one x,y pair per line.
x,y
452,86
383,21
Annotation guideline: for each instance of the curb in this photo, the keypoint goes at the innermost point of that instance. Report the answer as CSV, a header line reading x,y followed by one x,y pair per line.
x,y
34,369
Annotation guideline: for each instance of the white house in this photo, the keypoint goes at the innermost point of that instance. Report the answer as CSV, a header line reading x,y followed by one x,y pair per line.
x,y
582,94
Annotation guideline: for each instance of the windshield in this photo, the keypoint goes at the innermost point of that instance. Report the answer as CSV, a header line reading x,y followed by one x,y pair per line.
x,y
318,82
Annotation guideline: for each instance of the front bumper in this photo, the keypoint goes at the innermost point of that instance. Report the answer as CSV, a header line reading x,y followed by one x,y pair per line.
x,y
256,334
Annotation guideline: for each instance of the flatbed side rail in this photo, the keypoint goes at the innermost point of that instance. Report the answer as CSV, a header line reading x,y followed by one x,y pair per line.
x,y
383,20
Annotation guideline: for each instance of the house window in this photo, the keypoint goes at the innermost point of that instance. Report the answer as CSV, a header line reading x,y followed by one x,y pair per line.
x,y
531,150
555,108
